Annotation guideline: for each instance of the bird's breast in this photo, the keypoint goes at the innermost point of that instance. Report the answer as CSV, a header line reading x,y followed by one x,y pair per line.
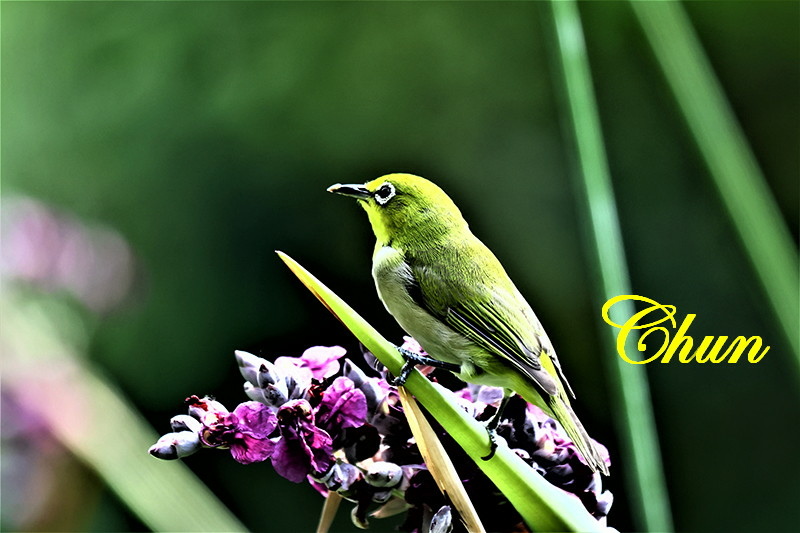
x,y
393,277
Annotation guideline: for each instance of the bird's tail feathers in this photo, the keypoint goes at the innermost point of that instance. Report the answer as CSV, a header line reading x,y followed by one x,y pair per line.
x,y
569,421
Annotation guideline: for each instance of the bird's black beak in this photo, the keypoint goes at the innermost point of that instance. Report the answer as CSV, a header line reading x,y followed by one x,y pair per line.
x,y
351,189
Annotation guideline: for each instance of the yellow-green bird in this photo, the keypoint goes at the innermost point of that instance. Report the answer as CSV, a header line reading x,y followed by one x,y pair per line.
x,y
448,291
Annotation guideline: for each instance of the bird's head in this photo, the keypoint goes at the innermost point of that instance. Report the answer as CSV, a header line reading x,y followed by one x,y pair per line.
x,y
404,208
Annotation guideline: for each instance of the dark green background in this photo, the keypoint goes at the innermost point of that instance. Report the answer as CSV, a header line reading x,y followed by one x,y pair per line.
x,y
206,133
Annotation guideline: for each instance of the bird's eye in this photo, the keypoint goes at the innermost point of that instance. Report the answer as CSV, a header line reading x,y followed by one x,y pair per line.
x,y
385,193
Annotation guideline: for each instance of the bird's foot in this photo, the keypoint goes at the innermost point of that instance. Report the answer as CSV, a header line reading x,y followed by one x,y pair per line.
x,y
400,380
492,443
413,359
491,426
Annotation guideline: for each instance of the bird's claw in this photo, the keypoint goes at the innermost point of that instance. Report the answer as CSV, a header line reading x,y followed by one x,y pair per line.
x,y
400,380
413,359
492,444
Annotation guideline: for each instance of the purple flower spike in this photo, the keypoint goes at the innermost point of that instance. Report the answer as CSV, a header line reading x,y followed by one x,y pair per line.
x,y
304,448
343,406
320,419
245,431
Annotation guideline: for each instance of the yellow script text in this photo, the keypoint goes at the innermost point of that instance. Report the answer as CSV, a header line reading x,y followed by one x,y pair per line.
x,y
679,342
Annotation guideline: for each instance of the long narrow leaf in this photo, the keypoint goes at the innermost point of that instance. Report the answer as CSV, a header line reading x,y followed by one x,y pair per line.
x,y
641,457
730,162
543,506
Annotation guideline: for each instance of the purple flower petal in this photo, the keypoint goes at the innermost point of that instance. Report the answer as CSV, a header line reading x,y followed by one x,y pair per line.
x,y
290,459
255,418
308,453
249,449
303,448
245,431
343,406
323,361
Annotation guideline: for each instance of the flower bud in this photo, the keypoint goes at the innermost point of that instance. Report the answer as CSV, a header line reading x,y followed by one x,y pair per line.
x,y
249,365
384,474
356,375
274,396
185,423
296,387
175,445
267,375
372,361
271,395
374,393
254,393
359,518
382,496
201,408
342,476
442,521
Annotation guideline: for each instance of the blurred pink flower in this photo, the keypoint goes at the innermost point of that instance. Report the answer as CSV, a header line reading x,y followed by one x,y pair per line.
x,y
56,252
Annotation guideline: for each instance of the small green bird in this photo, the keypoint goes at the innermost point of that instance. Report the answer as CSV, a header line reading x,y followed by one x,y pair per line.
x,y
448,291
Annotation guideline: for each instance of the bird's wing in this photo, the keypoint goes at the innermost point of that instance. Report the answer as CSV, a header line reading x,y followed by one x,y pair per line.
x,y
486,324
489,312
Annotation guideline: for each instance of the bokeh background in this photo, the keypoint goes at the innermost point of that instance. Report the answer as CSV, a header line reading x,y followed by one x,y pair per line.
x,y
154,155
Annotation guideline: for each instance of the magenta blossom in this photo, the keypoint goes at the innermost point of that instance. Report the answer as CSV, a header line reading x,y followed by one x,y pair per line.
x,y
245,432
303,448
322,361
343,406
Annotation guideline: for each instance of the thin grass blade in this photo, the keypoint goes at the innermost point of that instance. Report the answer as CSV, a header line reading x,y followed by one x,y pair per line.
x,y
641,456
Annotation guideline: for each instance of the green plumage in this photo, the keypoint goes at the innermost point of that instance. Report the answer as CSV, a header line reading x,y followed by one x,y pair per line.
x,y
449,292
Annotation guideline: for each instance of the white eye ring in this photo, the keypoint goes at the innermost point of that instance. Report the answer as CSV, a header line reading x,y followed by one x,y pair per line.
x,y
384,193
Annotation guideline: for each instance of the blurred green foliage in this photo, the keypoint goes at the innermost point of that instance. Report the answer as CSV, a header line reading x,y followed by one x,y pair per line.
x,y
207,132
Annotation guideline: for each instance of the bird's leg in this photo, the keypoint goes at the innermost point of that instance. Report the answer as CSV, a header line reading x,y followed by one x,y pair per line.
x,y
491,425
413,359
